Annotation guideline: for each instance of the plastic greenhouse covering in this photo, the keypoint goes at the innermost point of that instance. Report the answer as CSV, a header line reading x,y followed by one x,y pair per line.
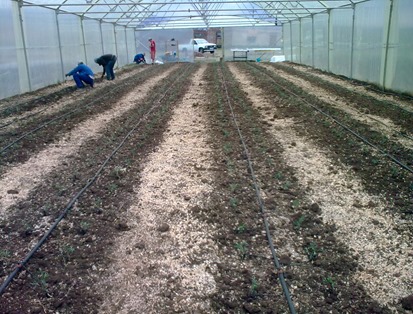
x,y
368,40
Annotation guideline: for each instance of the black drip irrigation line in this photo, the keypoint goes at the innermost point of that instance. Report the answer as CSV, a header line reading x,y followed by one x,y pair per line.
x,y
58,118
363,139
29,255
261,205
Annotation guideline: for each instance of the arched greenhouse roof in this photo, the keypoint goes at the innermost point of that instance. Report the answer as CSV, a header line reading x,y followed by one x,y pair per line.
x,y
162,14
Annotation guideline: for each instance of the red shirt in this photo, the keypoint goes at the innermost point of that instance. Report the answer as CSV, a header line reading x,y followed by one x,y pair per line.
x,y
153,45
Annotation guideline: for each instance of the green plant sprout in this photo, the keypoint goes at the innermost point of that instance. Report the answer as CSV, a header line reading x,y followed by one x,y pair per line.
x,y
254,287
241,228
297,223
242,248
40,280
329,281
312,251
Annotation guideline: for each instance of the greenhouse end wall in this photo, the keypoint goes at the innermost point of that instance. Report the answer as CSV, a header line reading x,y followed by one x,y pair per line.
x,y
370,41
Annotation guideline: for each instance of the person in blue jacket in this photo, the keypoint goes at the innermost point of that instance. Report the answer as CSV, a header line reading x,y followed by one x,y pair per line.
x,y
82,74
107,62
139,58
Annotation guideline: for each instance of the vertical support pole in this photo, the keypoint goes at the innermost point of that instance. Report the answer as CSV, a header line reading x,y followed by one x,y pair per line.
x,y
116,43
101,37
21,49
291,42
60,46
312,40
386,47
352,40
83,40
300,43
328,39
126,44
223,43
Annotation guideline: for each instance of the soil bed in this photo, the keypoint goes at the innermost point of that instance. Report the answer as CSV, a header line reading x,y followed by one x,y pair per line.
x,y
172,223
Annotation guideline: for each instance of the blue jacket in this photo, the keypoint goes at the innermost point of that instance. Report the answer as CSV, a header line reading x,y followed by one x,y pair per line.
x,y
139,58
81,69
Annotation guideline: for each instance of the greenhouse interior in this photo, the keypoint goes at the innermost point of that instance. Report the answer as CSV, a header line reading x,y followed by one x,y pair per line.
x,y
206,157
364,40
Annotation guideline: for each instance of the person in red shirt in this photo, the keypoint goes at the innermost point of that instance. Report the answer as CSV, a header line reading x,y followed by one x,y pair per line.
x,y
152,47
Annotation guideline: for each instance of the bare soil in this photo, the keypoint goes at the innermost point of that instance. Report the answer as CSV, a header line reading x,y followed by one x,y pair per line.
x,y
170,220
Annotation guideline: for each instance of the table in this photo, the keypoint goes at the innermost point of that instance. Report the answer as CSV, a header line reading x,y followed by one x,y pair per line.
x,y
240,54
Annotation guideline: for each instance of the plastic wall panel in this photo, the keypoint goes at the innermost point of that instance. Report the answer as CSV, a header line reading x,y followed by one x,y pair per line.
x,y
252,37
166,50
121,46
287,41
295,41
109,39
93,43
130,44
341,41
71,40
369,35
42,45
321,52
307,41
399,67
9,74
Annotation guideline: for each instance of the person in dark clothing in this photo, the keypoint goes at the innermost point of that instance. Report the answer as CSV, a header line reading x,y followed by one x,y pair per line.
x,y
82,74
139,58
107,62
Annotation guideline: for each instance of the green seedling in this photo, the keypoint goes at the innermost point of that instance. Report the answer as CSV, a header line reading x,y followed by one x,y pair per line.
x,y
113,187
279,176
329,281
297,223
39,280
312,251
242,248
241,228
233,187
4,254
84,227
286,186
233,202
254,288
227,148
295,204
66,252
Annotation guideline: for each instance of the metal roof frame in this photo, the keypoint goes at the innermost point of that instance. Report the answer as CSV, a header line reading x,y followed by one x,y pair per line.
x,y
161,14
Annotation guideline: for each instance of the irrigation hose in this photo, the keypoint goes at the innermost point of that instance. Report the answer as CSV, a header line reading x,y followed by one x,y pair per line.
x,y
262,208
21,264
363,139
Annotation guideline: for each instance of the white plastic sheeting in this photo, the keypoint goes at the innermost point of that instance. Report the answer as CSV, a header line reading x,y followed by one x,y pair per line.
x,y
167,50
371,41
9,53
40,45
261,42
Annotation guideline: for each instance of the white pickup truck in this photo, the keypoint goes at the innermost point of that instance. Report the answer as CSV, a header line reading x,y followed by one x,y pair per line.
x,y
198,45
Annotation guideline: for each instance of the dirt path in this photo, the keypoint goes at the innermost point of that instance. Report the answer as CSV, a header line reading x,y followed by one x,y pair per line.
x,y
19,180
361,223
156,255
